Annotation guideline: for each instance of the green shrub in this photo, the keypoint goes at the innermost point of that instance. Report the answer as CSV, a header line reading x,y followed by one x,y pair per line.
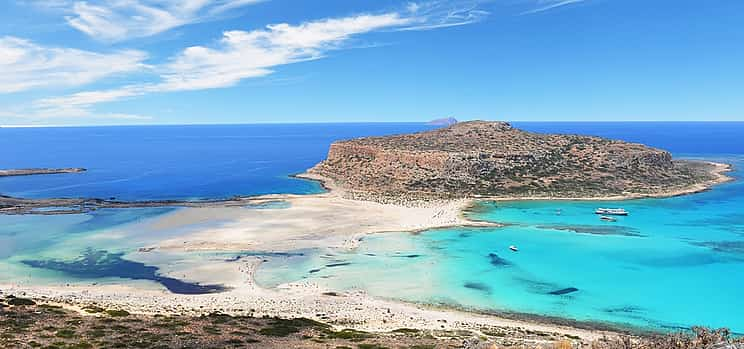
x,y
65,333
92,309
350,334
406,330
278,331
20,301
370,346
117,313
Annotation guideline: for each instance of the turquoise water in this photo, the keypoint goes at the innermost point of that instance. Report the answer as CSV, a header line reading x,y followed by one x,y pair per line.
x,y
32,237
672,263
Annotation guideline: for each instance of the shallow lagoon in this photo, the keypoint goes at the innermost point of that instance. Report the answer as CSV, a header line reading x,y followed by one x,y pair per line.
x,y
672,263
96,247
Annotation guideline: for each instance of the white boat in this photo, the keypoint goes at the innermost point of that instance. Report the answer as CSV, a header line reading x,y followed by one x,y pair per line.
x,y
608,219
612,211
513,248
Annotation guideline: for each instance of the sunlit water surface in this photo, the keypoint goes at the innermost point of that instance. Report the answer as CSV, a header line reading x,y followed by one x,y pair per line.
x,y
672,263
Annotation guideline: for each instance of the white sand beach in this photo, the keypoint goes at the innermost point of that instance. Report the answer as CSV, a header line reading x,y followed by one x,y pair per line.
x,y
326,220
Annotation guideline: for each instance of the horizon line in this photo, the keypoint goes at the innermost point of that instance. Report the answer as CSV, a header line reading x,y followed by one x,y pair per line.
x,y
369,122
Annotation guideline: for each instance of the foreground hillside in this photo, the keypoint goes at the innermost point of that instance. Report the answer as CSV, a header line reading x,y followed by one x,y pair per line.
x,y
25,324
494,159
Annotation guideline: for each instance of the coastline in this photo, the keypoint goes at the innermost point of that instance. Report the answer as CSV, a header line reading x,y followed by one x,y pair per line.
x,y
19,206
311,221
39,171
718,171
354,309
327,220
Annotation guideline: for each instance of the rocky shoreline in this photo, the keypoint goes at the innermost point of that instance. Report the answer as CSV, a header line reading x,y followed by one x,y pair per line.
x,y
480,159
331,220
55,206
39,171
709,175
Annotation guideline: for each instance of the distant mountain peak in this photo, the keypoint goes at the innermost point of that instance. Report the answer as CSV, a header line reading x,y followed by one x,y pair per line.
x,y
443,121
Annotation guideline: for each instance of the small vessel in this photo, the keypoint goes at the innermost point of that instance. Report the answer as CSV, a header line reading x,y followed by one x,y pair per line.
x,y
608,219
513,248
612,211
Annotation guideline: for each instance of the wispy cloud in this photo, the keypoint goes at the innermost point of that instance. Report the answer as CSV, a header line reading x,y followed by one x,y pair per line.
x,y
443,14
545,5
241,55
249,54
238,55
118,20
26,65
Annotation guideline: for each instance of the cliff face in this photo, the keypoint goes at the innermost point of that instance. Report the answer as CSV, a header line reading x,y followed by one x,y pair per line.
x,y
494,159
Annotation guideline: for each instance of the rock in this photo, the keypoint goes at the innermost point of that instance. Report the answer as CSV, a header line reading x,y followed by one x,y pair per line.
x,y
479,158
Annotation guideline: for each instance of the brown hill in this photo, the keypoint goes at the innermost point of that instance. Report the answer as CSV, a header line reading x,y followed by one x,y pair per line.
x,y
480,158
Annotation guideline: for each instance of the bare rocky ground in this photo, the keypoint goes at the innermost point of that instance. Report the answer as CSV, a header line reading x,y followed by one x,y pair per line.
x,y
24,323
493,159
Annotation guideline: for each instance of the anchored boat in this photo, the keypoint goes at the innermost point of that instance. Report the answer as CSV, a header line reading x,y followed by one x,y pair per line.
x,y
612,211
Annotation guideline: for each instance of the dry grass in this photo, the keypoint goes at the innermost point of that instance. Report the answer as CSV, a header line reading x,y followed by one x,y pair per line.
x,y
564,344
698,338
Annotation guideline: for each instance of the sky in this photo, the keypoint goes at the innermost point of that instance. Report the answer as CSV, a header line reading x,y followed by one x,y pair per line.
x,y
112,62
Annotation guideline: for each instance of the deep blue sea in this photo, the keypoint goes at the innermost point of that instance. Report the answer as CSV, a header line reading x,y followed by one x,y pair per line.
x,y
174,162
219,161
671,264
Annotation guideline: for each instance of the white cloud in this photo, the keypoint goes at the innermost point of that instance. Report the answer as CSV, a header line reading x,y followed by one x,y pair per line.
x,y
240,55
84,99
247,54
26,65
546,5
443,14
42,114
117,20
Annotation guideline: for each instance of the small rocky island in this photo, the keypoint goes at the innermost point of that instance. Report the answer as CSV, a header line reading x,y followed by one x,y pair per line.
x,y
39,171
494,159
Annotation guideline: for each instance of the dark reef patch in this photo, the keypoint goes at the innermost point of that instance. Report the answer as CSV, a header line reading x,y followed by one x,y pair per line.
x,y
341,264
497,261
735,247
684,260
101,264
564,291
537,286
313,271
406,255
623,310
264,254
478,286
595,229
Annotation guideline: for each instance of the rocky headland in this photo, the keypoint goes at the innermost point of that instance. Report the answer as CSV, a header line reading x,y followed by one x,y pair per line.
x,y
495,160
39,171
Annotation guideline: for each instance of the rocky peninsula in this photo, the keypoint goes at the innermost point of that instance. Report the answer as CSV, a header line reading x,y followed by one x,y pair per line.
x,y
39,171
495,160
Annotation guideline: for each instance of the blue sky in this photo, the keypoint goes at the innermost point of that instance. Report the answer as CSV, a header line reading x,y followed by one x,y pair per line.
x,y
69,62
